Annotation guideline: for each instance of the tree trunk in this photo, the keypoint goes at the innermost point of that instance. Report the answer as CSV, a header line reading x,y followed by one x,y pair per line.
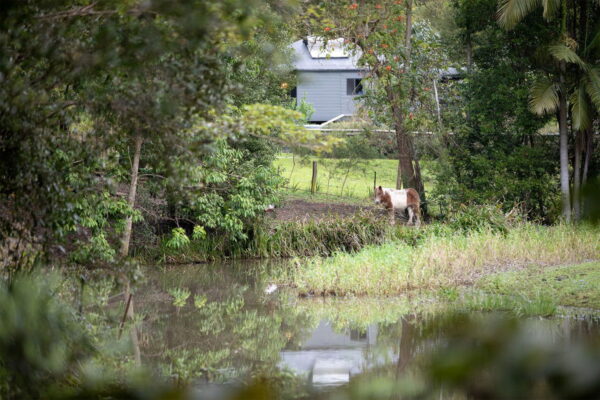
x,y
564,148
408,177
437,104
399,184
589,145
577,175
406,174
408,35
124,251
419,187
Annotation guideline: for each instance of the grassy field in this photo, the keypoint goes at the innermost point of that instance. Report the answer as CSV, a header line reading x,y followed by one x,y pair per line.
x,y
574,285
446,260
339,178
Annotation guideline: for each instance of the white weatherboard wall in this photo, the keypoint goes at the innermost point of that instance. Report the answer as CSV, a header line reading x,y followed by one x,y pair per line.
x,y
326,91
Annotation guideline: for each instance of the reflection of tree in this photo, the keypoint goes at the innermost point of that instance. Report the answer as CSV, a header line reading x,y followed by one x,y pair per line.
x,y
406,345
238,332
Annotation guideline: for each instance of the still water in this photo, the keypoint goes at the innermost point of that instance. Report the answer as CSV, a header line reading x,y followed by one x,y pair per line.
x,y
231,324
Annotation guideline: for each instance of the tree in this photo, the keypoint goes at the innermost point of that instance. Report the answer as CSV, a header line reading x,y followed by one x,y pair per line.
x,y
496,154
573,85
135,73
382,34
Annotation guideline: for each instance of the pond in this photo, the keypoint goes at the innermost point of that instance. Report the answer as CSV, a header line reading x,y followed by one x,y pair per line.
x,y
232,325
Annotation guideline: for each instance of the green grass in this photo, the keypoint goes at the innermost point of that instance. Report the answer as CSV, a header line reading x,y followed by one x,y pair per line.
x,y
442,258
518,303
574,285
359,183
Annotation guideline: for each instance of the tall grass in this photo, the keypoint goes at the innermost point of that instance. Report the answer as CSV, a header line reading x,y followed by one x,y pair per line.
x,y
442,258
321,238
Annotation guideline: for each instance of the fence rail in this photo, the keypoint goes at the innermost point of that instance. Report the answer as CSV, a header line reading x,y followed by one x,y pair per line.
x,y
356,131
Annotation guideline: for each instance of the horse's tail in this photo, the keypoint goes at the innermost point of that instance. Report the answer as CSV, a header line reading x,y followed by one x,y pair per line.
x,y
414,202
413,198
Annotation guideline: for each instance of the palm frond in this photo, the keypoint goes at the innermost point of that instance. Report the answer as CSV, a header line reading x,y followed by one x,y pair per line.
x,y
580,110
593,46
511,12
563,53
544,96
592,85
550,8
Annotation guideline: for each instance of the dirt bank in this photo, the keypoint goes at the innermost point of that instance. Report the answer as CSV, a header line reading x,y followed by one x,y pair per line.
x,y
304,211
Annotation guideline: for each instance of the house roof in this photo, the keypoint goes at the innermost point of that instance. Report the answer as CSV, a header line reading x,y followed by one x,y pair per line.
x,y
313,54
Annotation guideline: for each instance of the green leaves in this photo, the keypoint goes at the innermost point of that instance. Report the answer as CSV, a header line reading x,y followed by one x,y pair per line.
x,y
592,85
199,233
41,343
551,8
580,110
283,125
561,52
511,12
544,96
178,239
77,80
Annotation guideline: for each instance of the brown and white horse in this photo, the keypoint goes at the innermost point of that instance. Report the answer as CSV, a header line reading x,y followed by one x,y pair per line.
x,y
401,200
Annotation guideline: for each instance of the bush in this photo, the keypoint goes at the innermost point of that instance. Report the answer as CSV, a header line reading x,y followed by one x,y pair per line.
x,y
41,343
473,217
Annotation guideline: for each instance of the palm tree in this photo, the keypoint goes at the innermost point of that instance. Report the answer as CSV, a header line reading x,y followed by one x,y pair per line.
x,y
582,89
575,85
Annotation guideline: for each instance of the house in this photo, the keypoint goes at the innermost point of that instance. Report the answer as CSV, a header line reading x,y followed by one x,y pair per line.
x,y
328,77
330,80
331,358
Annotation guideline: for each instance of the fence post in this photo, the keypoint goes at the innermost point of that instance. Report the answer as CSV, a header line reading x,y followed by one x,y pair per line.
x,y
374,179
313,183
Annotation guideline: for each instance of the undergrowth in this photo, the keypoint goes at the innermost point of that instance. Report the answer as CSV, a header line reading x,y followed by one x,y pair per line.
x,y
287,239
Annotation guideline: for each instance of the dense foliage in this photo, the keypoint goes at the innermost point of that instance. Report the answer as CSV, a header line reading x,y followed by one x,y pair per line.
x,y
496,154
90,91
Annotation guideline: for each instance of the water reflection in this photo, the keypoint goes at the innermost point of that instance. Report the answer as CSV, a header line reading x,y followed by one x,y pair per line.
x,y
231,330
329,357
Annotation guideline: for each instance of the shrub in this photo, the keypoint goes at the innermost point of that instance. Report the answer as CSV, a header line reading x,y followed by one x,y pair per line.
x,y
473,217
41,343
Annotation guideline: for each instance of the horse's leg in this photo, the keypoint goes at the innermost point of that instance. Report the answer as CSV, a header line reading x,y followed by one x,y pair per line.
x,y
411,216
418,217
392,215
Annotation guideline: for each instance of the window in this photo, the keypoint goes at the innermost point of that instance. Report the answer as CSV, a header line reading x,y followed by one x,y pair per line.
x,y
354,87
294,93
